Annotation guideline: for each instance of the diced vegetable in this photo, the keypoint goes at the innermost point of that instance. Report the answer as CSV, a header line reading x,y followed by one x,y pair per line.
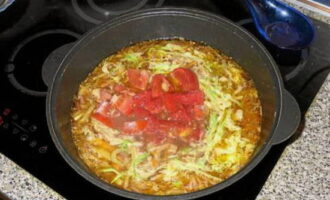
x,y
171,103
198,112
181,115
138,78
105,95
195,97
103,119
184,79
160,85
103,108
145,100
135,126
158,110
119,88
124,104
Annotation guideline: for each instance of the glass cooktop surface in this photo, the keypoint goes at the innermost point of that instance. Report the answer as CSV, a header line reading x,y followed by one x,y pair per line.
x,y
31,30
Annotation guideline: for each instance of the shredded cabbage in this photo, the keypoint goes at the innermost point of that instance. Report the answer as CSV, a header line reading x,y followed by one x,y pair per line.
x,y
132,57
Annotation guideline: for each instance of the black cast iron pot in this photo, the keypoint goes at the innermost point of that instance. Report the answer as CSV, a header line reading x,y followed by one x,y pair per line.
x,y
281,114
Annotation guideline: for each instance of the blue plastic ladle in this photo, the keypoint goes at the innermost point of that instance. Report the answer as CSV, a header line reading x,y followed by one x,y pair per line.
x,y
281,25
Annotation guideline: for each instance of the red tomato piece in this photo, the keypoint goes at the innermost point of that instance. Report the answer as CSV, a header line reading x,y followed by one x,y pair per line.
x,y
103,108
195,97
144,100
125,104
119,88
140,112
103,119
168,124
141,98
155,106
160,85
171,103
138,78
184,79
181,115
105,95
134,126
196,135
198,112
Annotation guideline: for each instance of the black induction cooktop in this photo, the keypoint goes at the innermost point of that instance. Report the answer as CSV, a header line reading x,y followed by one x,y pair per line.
x,y
31,30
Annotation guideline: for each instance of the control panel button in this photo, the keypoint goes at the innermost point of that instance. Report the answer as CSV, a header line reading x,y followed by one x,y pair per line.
x,y
43,149
33,143
33,128
24,137
15,131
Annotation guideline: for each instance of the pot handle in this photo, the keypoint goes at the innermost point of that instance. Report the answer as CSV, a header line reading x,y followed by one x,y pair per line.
x,y
53,61
289,119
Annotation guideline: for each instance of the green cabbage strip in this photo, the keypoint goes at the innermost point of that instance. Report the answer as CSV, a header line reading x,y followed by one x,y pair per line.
x,y
136,160
192,167
177,184
214,133
171,47
161,68
214,136
132,57
125,144
118,174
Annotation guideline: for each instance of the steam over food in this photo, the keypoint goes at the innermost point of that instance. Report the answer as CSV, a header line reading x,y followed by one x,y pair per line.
x,y
166,117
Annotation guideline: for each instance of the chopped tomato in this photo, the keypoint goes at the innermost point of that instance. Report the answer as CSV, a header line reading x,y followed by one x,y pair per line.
x,y
140,112
171,103
195,97
184,79
171,107
181,115
175,101
105,95
141,98
197,135
138,78
155,106
124,104
103,119
198,112
168,124
135,126
103,108
160,85
119,88
144,100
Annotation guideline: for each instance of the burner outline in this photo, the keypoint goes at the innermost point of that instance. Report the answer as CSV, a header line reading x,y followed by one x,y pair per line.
x,y
105,12
10,67
114,12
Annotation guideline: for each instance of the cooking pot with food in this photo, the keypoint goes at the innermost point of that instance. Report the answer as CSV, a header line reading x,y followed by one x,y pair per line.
x,y
280,112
